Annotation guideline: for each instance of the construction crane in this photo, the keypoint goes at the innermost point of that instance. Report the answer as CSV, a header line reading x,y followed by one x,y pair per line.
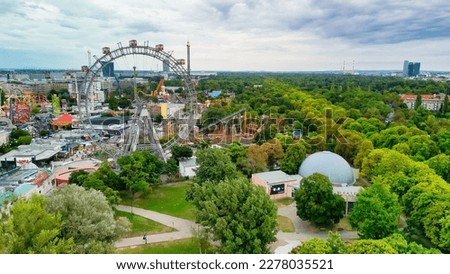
x,y
160,88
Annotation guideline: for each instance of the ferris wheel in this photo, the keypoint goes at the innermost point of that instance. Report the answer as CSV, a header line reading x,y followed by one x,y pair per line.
x,y
140,133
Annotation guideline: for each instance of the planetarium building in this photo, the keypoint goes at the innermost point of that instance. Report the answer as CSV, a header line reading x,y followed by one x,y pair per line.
x,y
329,164
279,184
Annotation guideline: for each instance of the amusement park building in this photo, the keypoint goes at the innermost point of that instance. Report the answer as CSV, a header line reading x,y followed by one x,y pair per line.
x,y
188,167
23,181
34,152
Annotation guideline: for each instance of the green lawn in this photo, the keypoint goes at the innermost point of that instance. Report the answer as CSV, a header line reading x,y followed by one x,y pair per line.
x,y
167,199
141,225
285,224
344,224
283,201
184,246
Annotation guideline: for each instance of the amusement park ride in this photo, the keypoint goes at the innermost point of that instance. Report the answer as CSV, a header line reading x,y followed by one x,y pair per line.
x,y
18,104
141,133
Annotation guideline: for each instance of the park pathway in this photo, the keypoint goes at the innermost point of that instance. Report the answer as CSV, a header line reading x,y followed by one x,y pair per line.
x,y
303,231
185,228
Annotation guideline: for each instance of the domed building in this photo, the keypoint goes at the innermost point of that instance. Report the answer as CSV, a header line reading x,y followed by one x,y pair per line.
x,y
329,164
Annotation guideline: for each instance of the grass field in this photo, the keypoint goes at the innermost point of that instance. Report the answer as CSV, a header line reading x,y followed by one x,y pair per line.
x,y
167,199
141,225
344,224
283,201
285,224
185,246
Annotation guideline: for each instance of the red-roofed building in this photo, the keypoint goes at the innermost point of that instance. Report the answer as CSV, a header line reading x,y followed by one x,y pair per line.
x,y
429,101
63,120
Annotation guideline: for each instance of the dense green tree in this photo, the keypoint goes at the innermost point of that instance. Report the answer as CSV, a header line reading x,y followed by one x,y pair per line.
x,y
2,97
295,154
445,106
239,214
124,102
418,103
316,201
371,247
434,222
402,246
403,148
159,118
382,162
256,153
336,243
389,137
418,198
399,183
30,228
78,177
140,166
103,179
44,133
112,103
266,134
249,166
236,151
445,233
109,177
395,243
333,245
312,246
181,151
87,218
215,166
274,151
364,148
422,147
24,140
211,116
17,133
441,165
348,145
442,139
171,167
375,213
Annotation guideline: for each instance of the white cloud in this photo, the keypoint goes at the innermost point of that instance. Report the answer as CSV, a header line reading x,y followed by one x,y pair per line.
x,y
233,35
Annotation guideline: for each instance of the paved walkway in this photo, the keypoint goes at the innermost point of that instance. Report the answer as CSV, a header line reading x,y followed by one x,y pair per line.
x,y
185,228
284,244
303,231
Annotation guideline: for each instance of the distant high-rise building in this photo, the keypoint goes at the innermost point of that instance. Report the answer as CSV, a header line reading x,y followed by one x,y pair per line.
x,y
108,69
411,69
416,69
405,67
166,67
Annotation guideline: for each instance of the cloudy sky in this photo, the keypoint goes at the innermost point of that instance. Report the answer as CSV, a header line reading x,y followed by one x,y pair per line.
x,y
282,35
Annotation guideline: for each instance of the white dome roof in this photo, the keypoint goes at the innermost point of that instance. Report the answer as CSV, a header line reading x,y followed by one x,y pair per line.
x,y
329,164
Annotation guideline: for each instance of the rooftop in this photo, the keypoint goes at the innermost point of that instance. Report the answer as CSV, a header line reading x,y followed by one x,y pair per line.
x,y
23,189
406,97
276,177
38,151
190,162
329,164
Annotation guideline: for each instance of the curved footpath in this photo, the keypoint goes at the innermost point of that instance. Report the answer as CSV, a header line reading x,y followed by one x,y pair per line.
x,y
303,231
184,227
284,244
